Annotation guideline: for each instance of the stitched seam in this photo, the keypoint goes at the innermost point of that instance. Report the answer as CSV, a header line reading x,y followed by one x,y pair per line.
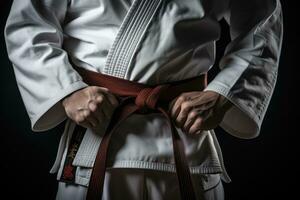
x,y
131,32
108,68
125,50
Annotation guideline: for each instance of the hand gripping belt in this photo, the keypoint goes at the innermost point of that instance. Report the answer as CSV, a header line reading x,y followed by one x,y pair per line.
x,y
141,98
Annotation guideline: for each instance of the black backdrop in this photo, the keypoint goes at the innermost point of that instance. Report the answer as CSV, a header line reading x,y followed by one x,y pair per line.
x,y
261,168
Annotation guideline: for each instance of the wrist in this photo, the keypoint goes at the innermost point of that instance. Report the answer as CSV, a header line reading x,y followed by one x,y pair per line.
x,y
65,99
225,104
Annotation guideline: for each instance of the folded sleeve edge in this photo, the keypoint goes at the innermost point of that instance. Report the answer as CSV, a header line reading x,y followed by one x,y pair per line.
x,y
52,112
237,115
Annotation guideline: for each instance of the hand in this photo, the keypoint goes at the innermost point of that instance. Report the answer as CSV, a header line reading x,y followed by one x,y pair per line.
x,y
90,107
196,111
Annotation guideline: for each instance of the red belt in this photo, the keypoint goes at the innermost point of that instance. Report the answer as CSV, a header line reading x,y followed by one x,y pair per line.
x,y
141,98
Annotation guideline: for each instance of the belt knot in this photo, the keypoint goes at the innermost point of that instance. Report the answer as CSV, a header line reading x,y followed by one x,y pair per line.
x,y
148,97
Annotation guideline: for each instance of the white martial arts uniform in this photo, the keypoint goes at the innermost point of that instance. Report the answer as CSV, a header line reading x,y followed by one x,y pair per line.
x,y
152,42
144,184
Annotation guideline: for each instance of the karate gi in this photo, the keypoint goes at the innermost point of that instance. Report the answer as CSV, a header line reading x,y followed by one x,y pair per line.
x,y
153,42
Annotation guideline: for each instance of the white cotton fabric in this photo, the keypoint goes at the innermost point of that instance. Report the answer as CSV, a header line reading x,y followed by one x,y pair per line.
x,y
143,184
151,42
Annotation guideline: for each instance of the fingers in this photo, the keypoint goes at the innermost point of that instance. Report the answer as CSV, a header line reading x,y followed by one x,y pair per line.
x,y
190,110
96,107
103,108
107,107
110,97
185,108
85,119
196,121
175,108
196,127
92,107
181,107
190,120
98,113
108,102
90,118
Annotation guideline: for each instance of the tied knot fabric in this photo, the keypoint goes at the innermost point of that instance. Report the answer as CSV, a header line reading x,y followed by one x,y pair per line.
x,y
148,98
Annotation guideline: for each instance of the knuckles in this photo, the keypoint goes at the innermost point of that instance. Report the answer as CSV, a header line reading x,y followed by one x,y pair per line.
x,y
79,119
193,114
99,98
190,117
186,106
182,97
83,104
198,120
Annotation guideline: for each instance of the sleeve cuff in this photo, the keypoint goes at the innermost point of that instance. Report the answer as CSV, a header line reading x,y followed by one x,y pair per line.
x,y
52,112
239,121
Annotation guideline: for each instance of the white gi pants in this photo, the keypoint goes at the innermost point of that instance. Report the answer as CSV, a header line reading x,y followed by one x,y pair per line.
x,y
144,184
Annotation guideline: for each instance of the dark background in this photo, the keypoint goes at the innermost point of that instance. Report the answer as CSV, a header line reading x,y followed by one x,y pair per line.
x,y
261,168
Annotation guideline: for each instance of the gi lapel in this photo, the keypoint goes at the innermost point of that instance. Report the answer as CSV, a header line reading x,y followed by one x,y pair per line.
x,y
130,34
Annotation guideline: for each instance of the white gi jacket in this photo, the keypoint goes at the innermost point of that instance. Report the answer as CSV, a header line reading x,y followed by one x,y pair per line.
x,y
152,42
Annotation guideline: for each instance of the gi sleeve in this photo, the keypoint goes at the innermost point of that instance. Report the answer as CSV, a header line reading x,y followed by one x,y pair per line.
x,y
249,67
34,38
